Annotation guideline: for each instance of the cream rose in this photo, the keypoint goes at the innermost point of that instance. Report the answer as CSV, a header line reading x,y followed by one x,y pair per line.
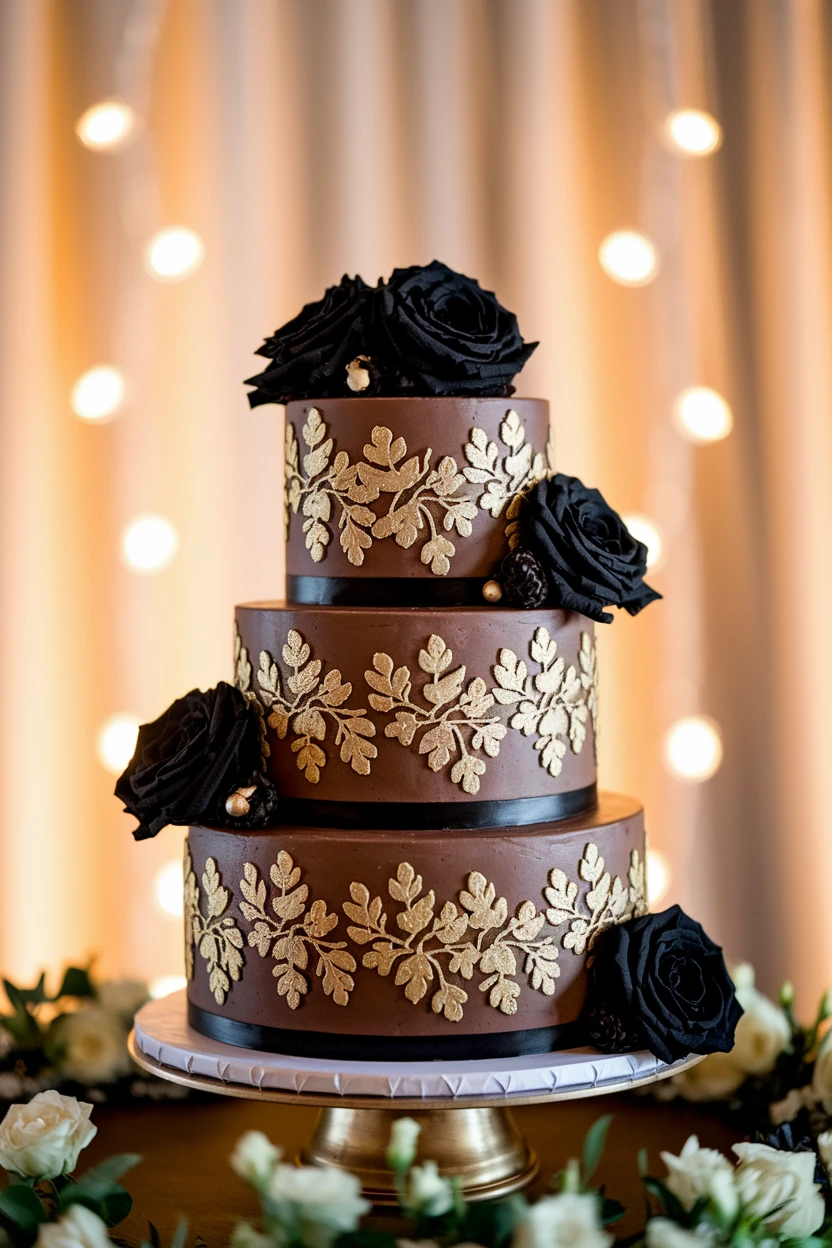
x,y
712,1079
44,1138
569,1220
123,997
769,1180
92,1045
254,1158
78,1228
822,1078
762,1033
427,1191
699,1172
323,1197
404,1136
825,1150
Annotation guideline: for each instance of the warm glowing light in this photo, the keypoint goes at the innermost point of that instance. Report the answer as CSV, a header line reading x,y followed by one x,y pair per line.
x,y
644,530
174,254
702,415
658,877
149,544
98,393
628,258
107,124
167,887
693,132
165,985
116,742
693,748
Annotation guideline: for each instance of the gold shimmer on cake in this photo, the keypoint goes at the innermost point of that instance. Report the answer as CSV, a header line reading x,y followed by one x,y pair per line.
x,y
552,703
242,678
456,720
608,900
425,498
588,661
298,929
217,939
310,706
473,935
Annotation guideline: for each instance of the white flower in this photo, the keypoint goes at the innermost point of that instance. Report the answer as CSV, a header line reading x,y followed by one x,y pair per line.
x,y
11,1085
663,1233
743,976
324,1198
401,1151
825,1150
780,1184
44,1138
699,1172
78,1228
762,1033
569,1220
822,1078
92,1044
245,1235
427,1192
254,1158
123,997
713,1079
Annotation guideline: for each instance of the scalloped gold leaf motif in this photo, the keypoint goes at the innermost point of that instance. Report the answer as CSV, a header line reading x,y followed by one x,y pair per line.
x,y
608,899
215,934
428,502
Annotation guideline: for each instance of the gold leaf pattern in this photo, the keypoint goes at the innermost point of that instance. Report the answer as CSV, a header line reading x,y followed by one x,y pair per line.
x,y
217,938
551,703
607,901
296,929
427,501
242,677
472,935
456,722
309,703
588,662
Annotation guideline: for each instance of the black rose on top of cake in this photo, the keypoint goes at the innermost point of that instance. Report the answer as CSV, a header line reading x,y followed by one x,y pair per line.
x,y
587,554
310,354
199,762
662,982
426,331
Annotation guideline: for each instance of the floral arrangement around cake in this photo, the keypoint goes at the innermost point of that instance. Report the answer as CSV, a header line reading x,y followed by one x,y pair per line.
x,y
765,1195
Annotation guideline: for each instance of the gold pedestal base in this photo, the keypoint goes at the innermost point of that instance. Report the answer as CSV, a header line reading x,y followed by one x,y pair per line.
x,y
481,1147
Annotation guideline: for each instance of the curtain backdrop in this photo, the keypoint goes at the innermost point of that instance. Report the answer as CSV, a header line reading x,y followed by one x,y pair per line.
x,y
307,138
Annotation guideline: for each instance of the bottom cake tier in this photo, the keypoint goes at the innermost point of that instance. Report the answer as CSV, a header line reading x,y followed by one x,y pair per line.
x,y
405,945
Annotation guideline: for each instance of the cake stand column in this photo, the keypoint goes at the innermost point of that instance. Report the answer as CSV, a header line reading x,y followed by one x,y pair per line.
x,y
482,1147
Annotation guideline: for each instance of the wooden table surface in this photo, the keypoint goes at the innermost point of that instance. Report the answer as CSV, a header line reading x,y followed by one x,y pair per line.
x,y
185,1147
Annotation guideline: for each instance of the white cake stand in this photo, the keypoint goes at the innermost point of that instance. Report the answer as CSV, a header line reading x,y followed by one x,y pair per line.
x,y
463,1107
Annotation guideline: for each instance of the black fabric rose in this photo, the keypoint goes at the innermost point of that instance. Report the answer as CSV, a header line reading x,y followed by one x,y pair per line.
x,y
190,760
438,332
309,355
590,558
667,983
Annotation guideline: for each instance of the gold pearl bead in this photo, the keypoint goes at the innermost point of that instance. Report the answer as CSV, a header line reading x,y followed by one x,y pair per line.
x,y
492,591
237,805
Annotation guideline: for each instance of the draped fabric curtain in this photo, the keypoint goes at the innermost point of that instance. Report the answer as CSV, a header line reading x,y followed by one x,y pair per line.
x,y
307,138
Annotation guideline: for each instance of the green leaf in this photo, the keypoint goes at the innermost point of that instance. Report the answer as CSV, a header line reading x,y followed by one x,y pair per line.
x,y
25,996
20,1205
611,1211
642,1163
75,983
671,1205
596,1138
110,1201
492,1222
111,1169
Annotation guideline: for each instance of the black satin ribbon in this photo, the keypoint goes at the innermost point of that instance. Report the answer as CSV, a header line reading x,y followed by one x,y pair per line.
x,y
385,591
514,812
450,1048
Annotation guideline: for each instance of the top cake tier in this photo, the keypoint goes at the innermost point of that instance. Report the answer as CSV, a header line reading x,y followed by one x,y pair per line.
x,y
393,501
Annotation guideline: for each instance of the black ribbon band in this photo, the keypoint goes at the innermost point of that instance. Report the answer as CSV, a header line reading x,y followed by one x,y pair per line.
x,y
513,812
385,591
383,1048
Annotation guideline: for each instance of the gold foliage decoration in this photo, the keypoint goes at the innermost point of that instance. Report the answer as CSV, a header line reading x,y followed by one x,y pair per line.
x,y
607,901
455,723
217,938
242,678
431,952
310,704
424,501
588,663
552,703
293,931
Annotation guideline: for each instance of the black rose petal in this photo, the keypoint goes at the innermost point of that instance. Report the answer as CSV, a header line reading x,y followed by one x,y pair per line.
x,y
667,983
590,558
189,760
438,332
310,354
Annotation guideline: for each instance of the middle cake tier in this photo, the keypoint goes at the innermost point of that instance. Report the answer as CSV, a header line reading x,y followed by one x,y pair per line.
x,y
424,717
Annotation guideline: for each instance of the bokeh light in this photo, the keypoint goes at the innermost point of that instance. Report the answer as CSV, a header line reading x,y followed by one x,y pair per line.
x,y
98,393
658,877
693,748
702,415
629,258
692,132
168,890
165,985
149,543
645,530
116,742
174,254
107,124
